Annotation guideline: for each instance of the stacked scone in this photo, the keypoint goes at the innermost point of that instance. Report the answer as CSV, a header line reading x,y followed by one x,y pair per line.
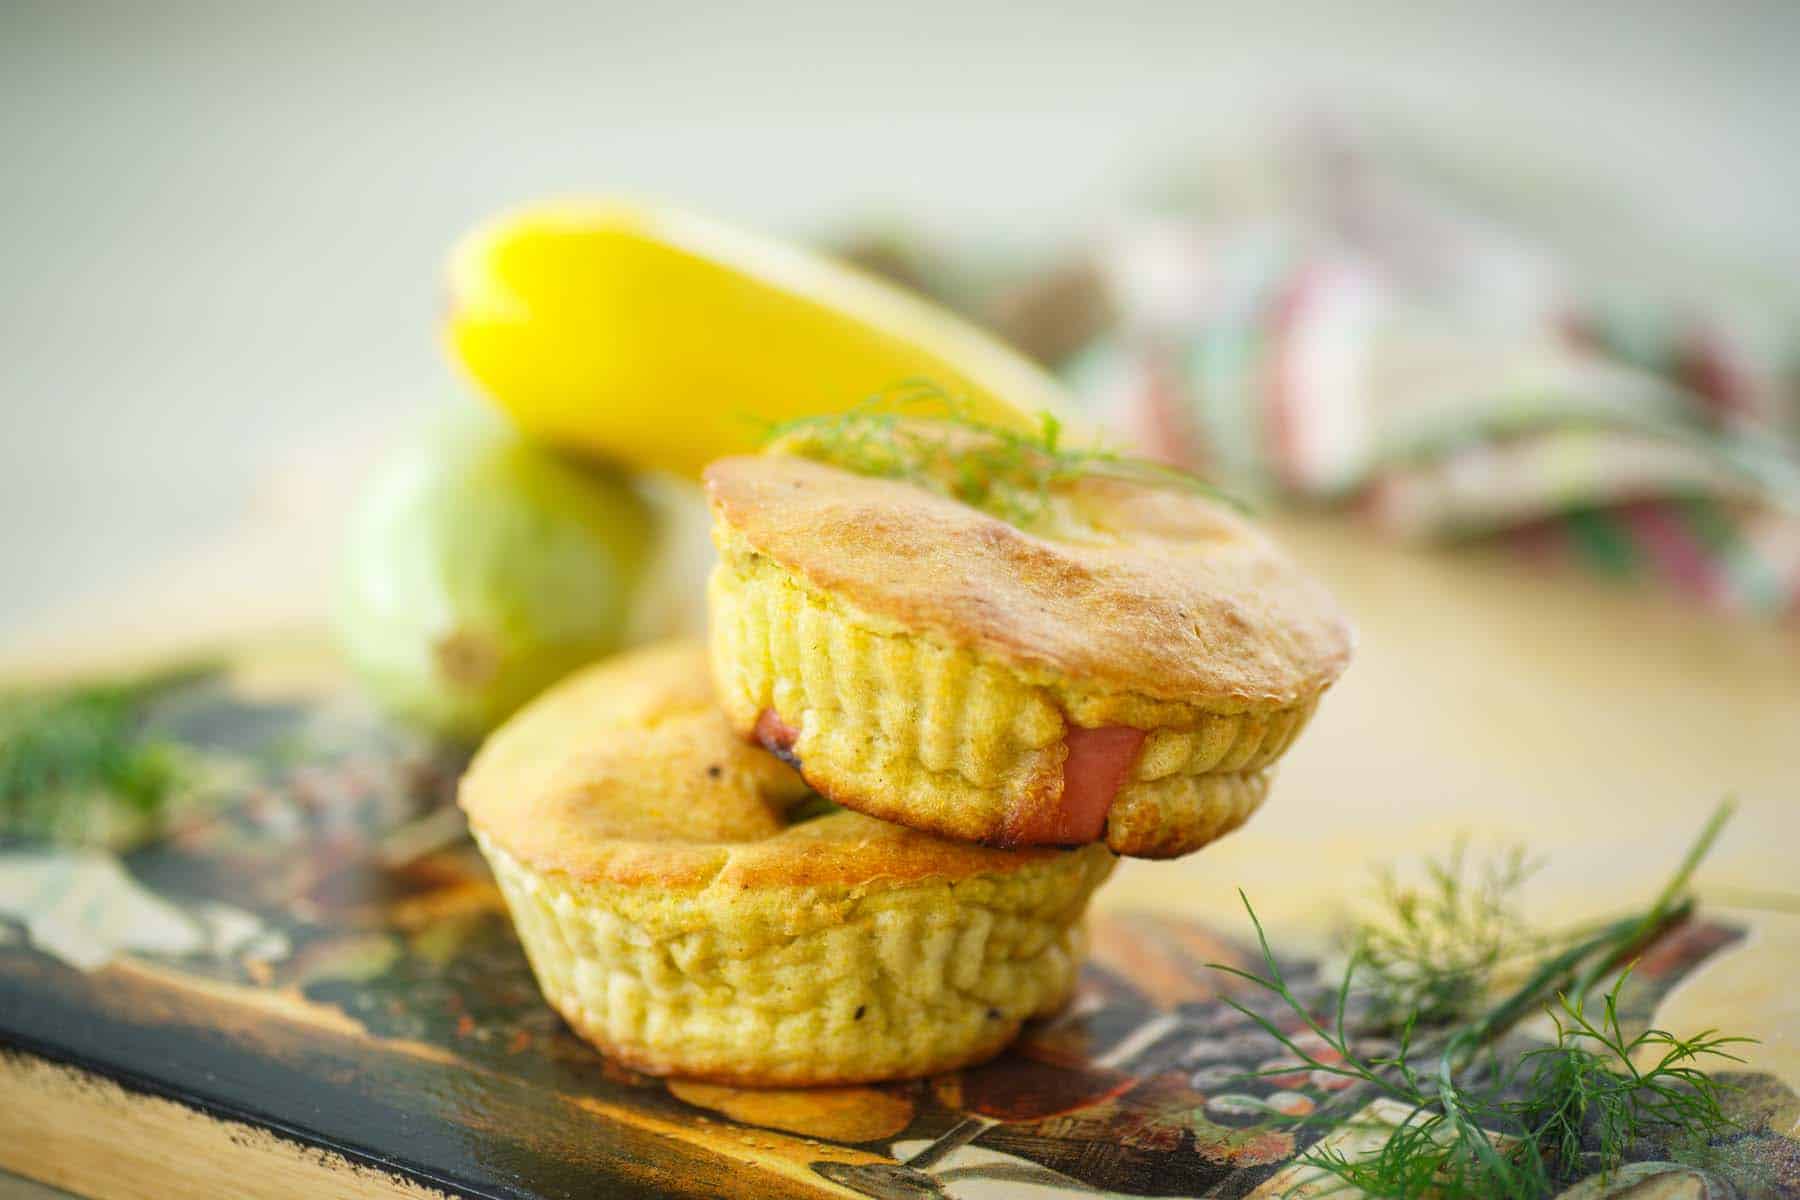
x,y
860,845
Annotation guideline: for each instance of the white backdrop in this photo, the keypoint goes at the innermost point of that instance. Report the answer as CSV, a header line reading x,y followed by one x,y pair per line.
x,y
220,226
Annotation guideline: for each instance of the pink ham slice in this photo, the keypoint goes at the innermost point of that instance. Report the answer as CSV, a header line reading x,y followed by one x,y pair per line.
x,y
777,736
1096,767
774,732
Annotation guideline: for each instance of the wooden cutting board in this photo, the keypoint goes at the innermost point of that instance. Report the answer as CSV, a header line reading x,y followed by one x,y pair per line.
x,y
1598,724
310,988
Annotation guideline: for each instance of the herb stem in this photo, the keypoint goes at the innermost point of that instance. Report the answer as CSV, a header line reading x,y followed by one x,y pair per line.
x,y
919,433
1464,1136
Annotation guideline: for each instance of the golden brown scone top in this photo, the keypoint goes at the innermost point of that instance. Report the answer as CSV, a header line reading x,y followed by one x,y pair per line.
x,y
1137,588
627,772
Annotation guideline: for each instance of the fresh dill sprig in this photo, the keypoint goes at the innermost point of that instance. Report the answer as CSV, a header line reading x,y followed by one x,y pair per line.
x,y
920,433
1590,1080
1430,952
1475,1129
79,764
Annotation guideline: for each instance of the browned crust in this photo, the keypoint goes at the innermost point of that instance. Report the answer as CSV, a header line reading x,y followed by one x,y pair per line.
x,y
627,773
1174,597
1030,809
1153,829
814,1074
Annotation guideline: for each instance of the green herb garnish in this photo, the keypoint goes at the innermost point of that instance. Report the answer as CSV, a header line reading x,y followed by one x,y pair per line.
x,y
1476,1129
1431,952
919,433
80,764
1589,1079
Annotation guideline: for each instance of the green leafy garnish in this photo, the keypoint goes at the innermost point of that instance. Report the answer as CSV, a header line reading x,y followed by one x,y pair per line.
x,y
79,764
1590,1079
919,433
1431,952
1475,1129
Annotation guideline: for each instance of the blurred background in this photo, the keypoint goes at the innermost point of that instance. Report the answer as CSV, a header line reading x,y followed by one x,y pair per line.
x,y
223,226
1514,278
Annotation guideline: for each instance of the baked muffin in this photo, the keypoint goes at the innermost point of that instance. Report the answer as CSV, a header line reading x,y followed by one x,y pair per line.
x,y
692,908
1121,662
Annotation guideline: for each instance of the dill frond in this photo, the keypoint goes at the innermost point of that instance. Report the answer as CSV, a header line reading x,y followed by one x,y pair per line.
x,y
79,764
1444,1146
1431,951
919,433
1496,1132
1589,1085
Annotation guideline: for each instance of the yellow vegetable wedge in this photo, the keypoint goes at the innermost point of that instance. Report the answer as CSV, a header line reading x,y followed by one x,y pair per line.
x,y
664,340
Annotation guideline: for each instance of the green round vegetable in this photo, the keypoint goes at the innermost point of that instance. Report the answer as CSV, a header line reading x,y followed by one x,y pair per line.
x,y
482,569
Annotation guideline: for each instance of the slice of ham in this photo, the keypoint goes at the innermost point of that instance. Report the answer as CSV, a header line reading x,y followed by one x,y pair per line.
x,y
775,733
777,737
1098,762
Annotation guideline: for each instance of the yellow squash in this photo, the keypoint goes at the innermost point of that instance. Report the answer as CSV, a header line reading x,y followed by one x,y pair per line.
x,y
663,340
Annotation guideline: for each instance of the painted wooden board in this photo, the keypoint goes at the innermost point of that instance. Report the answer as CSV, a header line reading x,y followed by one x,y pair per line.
x,y
309,987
